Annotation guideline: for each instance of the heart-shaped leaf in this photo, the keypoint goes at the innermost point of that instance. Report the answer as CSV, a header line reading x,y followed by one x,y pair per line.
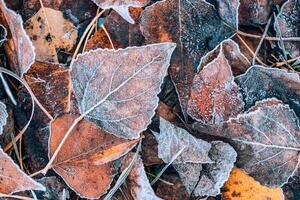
x,y
117,89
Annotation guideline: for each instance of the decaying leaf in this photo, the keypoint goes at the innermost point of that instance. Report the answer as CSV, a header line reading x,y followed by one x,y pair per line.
x,y
202,167
272,132
3,116
49,31
137,180
51,84
241,186
121,6
85,161
120,94
260,83
18,47
195,26
254,12
215,97
289,25
13,179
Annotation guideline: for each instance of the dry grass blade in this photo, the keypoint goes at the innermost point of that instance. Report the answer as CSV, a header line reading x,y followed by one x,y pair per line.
x,y
124,174
15,197
7,90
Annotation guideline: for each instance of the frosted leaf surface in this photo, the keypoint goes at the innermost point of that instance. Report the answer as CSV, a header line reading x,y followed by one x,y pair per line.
x,y
195,26
121,6
19,49
137,180
119,88
215,97
272,132
3,116
13,179
260,83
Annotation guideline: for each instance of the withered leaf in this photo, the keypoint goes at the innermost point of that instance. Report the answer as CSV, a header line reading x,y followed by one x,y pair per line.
x,y
195,26
18,47
51,84
137,180
215,97
272,131
49,31
85,161
3,116
289,25
121,6
260,83
13,179
120,94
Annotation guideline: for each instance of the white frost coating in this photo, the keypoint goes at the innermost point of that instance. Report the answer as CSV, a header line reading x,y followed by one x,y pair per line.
x,y
3,116
117,89
16,176
121,6
23,46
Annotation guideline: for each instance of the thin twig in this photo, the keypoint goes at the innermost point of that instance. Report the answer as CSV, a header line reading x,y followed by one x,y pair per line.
x,y
108,36
288,39
280,64
15,196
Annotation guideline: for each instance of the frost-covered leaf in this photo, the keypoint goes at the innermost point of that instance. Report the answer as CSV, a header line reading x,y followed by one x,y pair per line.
x,y
3,34
13,179
3,116
51,84
85,161
215,97
121,6
137,181
260,83
195,26
202,167
120,87
271,131
50,34
225,9
289,25
254,12
241,185
18,47
172,139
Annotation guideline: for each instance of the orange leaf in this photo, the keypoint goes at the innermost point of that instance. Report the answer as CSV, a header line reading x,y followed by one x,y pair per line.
x,y
85,161
241,186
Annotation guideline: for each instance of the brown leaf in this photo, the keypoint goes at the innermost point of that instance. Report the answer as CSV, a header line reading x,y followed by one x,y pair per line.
x,y
137,180
85,161
13,179
106,87
241,186
18,47
49,31
260,83
121,6
3,116
51,84
215,96
272,133
149,150
195,26
289,26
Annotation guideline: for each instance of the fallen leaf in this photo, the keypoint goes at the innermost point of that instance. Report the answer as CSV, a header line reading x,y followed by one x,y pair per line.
x,y
18,47
3,116
51,84
13,179
49,31
241,186
254,12
215,82
202,167
85,161
121,6
260,83
149,150
54,188
195,26
137,180
272,132
289,26
106,87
